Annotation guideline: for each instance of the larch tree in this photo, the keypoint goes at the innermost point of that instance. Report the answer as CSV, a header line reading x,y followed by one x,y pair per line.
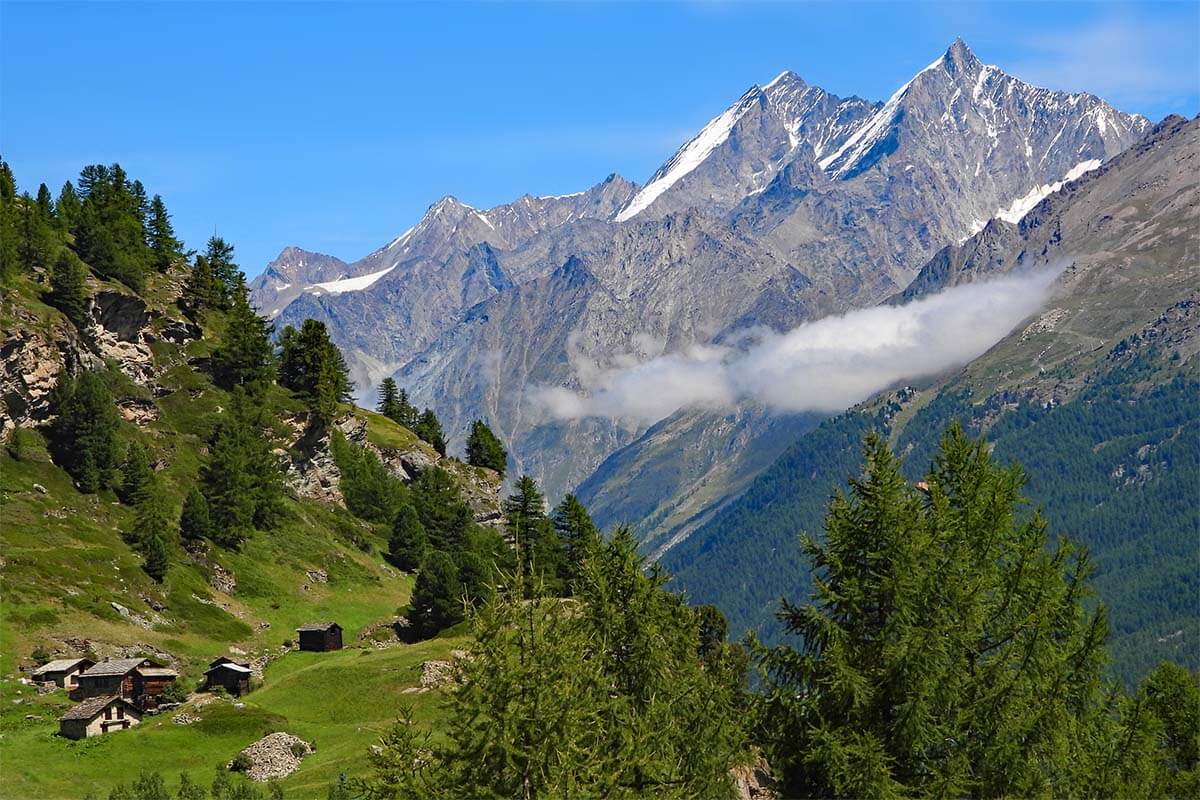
x,y
484,448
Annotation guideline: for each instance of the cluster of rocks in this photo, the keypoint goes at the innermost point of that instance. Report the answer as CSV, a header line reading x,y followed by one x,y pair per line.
x,y
438,672
272,757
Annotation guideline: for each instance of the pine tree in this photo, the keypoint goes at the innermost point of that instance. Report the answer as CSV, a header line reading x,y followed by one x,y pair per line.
x,y
408,543
311,364
429,429
578,535
10,229
37,235
369,488
151,530
437,597
161,235
136,474
245,356
241,481
194,523
68,288
109,230
68,208
200,290
389,400
947,650
45,206
443,513
602,697
84,430
485,450
533,535
227,275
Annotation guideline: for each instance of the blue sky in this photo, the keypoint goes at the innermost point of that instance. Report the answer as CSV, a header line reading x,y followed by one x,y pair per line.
x,y
333,126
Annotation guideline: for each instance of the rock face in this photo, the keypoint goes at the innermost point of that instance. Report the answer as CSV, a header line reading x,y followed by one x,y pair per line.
x,y
275,756
791,204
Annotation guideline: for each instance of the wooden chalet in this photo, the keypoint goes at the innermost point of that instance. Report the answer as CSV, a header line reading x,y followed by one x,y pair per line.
x,y
227,674
141,681
320,637
62,672
98,715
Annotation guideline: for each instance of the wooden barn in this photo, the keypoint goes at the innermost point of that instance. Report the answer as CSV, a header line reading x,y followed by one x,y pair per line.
x,y
98,715
62,672
320,637
138,680
227,674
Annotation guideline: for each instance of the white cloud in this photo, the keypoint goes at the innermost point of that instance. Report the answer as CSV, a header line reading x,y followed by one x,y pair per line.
x,y
825,365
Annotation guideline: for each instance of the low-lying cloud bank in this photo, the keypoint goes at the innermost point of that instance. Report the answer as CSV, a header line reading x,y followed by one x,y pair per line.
x,y
826,365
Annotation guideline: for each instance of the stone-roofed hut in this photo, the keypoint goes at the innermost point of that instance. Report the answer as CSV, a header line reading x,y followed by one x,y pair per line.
x,y
98,715
320,637
62,671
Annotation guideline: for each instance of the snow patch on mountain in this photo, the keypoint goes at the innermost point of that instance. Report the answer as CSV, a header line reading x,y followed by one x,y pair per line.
x,y
690,156
347,284
1017,210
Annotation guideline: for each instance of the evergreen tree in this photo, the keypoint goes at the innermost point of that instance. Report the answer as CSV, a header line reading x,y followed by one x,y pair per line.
x,y
161,235
442,512
109,231
45,205
714,630
437,597
227,275
68,288
603,697
136,474
200,290
1171,694
578,535
389,400
68,208
37,235
369,488
241,481
151,530
84,430
245,355
429,429
194,523
533,535
10,229
341,789
311,364
947,650
408,543
484,449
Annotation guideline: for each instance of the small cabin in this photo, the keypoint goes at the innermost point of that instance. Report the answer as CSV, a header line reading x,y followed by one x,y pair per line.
x,y
62,672
138,680
225,673
98,715
320,637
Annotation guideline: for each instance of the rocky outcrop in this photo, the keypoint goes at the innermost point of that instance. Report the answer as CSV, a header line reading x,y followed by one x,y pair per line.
x,y
272,757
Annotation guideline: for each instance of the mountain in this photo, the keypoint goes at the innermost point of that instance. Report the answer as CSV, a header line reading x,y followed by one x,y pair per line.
x,y
1095,396
790,205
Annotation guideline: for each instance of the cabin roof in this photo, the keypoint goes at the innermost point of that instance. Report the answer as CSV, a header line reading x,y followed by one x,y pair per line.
x,y
115,666
157,672
230,665
60,665
91,707
319,626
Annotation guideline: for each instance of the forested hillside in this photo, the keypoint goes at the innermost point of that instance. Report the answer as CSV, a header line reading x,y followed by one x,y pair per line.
x,y
1096,397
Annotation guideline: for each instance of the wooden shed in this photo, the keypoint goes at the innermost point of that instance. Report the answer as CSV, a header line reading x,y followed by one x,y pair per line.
x,y
227,674
62,671
320,637
138,680
98,715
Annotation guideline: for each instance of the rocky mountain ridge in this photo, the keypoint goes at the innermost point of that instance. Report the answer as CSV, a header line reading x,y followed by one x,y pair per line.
x,y
790,205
